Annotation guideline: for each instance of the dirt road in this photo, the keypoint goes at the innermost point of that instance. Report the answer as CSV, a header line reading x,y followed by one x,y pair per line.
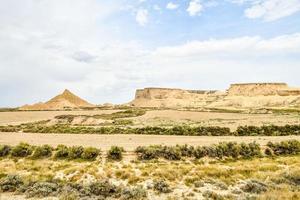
x,y
129,142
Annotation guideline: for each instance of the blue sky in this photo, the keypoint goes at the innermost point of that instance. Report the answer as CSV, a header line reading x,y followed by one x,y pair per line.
x,y
104,50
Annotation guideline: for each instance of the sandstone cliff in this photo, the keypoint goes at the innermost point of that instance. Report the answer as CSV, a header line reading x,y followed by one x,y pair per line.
x,y
248,95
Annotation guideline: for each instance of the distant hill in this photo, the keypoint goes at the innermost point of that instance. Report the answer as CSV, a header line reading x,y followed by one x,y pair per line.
x,y
62,101
243,95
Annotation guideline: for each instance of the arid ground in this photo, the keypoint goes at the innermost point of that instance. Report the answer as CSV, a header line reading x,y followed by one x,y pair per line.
x,y
130,142
165,118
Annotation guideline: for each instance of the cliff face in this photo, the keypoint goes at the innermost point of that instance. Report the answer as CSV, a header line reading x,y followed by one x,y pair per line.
x,y
250,95
167,97
256,89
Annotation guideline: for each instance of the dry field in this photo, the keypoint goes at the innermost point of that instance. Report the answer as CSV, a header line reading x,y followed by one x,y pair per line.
x,y
230,120
164,118
14,118
129,142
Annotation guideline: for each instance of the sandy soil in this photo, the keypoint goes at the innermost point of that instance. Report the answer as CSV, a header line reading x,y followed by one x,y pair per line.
x,y
129,142
231,120
14,118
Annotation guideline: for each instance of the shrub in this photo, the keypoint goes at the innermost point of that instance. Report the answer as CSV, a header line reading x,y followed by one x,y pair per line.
x,y
171,153
4,150
250,150
10,183
148,153
42,189
42,151
62,151
200,152
90,153
136,193
269,152
285,147
161,186
103,188
75,152
254,186
22,150
115,153
186,151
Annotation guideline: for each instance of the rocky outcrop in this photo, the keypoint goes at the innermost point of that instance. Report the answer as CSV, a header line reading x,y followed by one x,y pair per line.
x,y
167,97
246,95
256,89
62,101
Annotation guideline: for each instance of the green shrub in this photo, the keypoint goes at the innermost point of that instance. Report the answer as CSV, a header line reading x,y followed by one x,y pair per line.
x,y
171,153
62,151
103,188
42,189
254,186
148,153
90,153
42,151
115,153
75,152
22,150
290,147
161,186
10,183
136,193
4,150
250,150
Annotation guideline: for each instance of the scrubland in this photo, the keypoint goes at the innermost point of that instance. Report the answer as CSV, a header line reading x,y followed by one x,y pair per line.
x,y
149,154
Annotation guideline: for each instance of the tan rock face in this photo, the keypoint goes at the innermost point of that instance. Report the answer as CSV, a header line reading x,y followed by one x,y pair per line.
x,y
256,89
250,95
62,101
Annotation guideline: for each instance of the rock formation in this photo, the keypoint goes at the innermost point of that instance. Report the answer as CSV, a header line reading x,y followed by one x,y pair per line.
x,y
246,95
62,101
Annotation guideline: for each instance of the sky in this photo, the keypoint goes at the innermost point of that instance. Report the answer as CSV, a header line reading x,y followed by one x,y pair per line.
x,y
104,50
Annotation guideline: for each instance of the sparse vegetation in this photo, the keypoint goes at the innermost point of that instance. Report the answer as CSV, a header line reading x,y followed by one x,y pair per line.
x,y
22,150
221,150
90,153
288,147
270,130
42,151
115,153
4,150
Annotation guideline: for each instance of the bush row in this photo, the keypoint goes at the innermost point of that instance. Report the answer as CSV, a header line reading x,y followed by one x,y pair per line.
x,y
270,130
290,147
219,151
60,152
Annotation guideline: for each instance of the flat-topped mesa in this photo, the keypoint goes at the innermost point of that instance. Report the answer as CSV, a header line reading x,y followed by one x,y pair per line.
x,y
167,93
256,89
172,97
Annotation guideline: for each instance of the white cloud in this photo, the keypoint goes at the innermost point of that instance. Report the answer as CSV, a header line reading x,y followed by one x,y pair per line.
x,y
271,10
236,47
172,6
142,17
156,7
194,8
50,45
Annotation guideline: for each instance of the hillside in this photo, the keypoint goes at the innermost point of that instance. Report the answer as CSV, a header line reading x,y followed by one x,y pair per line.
x,y
62,101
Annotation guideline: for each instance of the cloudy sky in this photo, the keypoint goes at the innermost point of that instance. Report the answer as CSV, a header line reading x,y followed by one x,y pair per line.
x,y
103,50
